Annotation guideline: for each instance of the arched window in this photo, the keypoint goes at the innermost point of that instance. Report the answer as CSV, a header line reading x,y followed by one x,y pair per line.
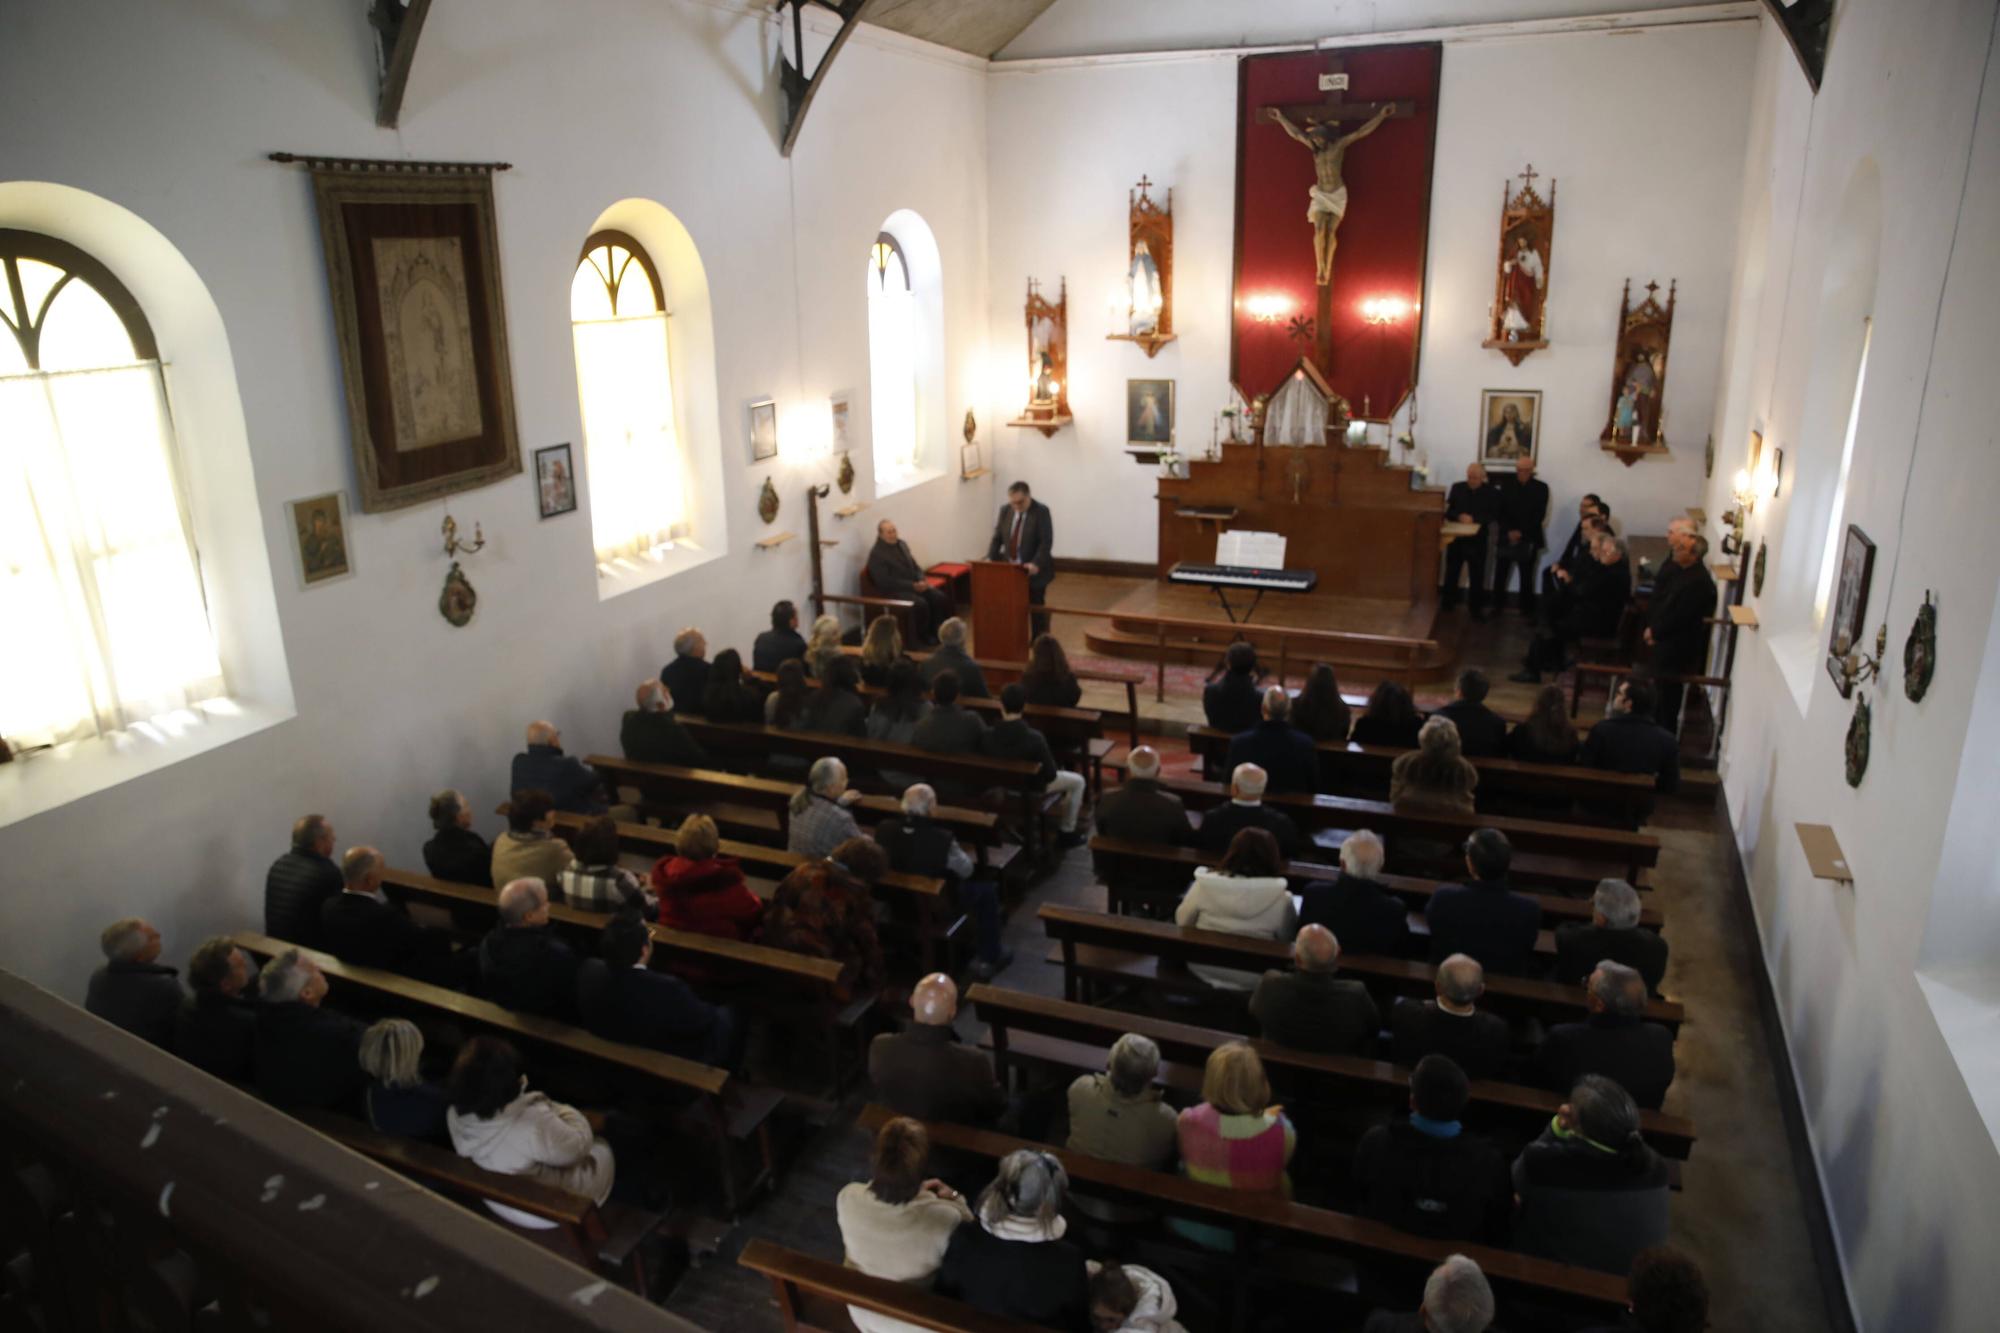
x,y
905,353
637,474
99,579
892,363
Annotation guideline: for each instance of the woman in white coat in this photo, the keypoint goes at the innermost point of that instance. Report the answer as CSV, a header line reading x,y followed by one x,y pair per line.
x,y
897,1223
496,1122
1246,895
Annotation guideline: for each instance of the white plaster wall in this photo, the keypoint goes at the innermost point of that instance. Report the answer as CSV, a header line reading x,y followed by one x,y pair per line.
x,y
1647,194
1910,1170
168,110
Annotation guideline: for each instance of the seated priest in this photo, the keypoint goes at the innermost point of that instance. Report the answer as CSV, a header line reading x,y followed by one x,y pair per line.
x,y
895,573
1590,607
1476,501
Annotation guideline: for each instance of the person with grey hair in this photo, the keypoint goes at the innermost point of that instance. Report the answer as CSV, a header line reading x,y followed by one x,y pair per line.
x,y
455,852
133,988
821,818
1356,907
1590,1191
1287,755
894,572
950,655
1139,809
398,1099
1613,932
1615,1040
919,844
1457,1299
573,785
1309,1008
1246,809
305,1056
1677,623
1011,1259
522,965
1436,775
927,1071
1453,1024
299,881
1121,1114
361,925
1590,607
650,733
217,1023
686,677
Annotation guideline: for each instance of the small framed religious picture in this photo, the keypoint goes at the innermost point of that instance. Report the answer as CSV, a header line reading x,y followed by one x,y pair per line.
x,y
555,480
1149,412
842,407
1510,423
763,430
319,533
1850,604
968,461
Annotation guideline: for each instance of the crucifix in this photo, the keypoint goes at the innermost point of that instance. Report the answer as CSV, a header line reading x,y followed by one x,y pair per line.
x,y
1317,125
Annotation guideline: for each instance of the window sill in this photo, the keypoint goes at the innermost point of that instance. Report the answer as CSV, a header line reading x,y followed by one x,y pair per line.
x,y
43,782
631,573
1965,1004
887,484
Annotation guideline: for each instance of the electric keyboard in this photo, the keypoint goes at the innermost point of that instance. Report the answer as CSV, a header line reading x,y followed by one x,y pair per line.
x,y
1242,576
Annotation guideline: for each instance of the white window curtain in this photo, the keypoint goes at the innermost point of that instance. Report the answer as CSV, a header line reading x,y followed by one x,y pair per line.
x,y
892,368
638,491
99,585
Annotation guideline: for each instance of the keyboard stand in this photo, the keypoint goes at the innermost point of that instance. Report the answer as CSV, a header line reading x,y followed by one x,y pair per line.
x,y
1222,595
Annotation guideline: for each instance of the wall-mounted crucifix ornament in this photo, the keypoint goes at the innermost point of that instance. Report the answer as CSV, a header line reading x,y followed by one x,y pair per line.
x,y
1520,311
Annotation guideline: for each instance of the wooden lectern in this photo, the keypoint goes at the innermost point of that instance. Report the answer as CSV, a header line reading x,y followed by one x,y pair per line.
x,y
1000,611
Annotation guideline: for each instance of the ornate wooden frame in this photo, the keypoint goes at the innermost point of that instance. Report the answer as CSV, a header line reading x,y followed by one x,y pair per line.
x,y
1151,226
1645,329
1522,213
359,204
1047,412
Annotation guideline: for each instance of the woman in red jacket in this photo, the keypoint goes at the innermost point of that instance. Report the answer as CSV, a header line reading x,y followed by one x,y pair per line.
x,y
702,892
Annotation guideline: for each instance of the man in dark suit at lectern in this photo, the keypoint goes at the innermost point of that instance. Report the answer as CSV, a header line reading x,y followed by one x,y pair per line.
x,y
1025,535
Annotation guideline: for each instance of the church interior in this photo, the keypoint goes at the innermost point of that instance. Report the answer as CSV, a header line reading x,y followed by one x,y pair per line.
x,y
999,664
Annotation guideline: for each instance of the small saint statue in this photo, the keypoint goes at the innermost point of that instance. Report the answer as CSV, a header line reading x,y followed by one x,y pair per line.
x,y
1328,199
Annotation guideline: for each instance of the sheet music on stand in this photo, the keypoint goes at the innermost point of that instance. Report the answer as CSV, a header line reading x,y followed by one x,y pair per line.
x,y
1251,550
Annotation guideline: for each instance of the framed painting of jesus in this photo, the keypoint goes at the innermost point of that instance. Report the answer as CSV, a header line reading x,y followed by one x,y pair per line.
x,y
413,266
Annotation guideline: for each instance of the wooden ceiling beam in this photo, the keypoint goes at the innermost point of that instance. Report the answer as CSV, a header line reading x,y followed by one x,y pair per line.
x,y
794,85
397,27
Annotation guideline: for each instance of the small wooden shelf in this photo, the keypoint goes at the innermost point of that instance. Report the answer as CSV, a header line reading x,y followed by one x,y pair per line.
x,y
975,474
1823,853
1699,515
1046,425
1725,572
850,510
1743,617
775,540
1152,342
1628,454
1515,352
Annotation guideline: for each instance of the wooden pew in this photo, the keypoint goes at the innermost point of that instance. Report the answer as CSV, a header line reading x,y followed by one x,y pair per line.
x,y
1089,1032
1386,1252
1569,856
1363,770
1019,778
777,982
726,1107
606,1237
813,1295
1067,729
924,893
1094,946
1122,859
999,673
761,807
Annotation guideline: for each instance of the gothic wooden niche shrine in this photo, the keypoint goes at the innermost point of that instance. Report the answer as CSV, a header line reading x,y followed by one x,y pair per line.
x,y
1636,424
1048,361
1520,311
1149,272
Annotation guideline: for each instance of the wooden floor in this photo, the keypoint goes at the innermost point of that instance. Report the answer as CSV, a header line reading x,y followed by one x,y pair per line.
x,y
1278,610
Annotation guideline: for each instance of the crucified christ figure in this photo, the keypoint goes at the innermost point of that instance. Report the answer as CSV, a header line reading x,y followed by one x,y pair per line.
x,y
1329,196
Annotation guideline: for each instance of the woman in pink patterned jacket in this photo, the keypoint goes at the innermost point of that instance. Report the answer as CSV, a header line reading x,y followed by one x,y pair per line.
x,y
1235,1138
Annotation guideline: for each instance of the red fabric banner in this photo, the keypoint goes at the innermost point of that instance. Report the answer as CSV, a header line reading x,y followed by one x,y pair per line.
x,y
1380,242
